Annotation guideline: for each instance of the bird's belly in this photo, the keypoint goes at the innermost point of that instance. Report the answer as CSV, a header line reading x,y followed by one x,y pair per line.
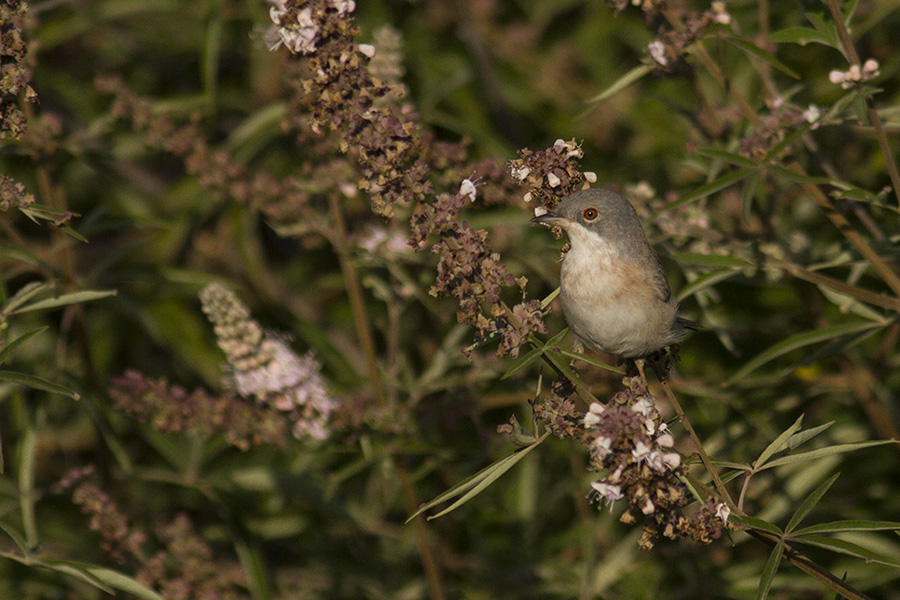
x,y
612,308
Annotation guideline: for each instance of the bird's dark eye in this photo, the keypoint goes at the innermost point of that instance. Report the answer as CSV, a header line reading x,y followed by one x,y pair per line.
x,y
590,213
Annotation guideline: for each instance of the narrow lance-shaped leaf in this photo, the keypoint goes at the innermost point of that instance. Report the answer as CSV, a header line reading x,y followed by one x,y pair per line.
x,y
778,443
65,299
844,547
801,437
712,187
477,483
620,84
19,341
799,341
823,452
763,55
809,503
768,573
848,525
37,383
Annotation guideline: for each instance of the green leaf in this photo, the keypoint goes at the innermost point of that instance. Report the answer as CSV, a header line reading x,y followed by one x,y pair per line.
x,y
844,526
730,157
791,176
803,436
550,298
826,28
778,443
123,582
65,300
809,503
758,52
711,260
16,536
26,293
710,188
19,341
522,362
591,361
801,340
704,281
799,35
845,547
477,483
754,523
768,573
823,452
748,194
37,383
775,151
623,82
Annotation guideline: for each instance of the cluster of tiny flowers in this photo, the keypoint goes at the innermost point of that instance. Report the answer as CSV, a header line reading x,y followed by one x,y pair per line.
x,y
855,75
184,567
552,174
13,194
650,7
667,49
396,160
632,448
118,540
172,409
265,368
341,95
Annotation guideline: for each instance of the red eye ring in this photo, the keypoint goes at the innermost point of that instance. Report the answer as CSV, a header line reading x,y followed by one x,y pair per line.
x,y
590,213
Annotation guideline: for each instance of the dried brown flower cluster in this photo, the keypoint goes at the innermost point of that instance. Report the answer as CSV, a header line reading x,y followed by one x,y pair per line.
x,y
280,199
172,409
16,72
396,162
185,566
552,174
632,449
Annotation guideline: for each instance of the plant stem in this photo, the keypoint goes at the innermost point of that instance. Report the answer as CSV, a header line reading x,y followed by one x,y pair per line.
x,y
880,135
720,487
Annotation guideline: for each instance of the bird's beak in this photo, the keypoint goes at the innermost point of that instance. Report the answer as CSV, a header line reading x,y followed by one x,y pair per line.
x,y
548,218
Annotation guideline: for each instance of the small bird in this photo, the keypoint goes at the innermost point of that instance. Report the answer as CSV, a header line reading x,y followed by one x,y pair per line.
x,y
613,290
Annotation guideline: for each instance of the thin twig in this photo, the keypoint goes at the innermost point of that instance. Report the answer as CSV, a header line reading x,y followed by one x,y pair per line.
x,y
720,487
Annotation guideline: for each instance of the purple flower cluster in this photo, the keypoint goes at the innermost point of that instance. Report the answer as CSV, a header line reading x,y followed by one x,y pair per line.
x,y
172,409
183,568
266,369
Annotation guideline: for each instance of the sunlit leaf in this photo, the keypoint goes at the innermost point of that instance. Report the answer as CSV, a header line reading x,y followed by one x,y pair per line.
x,y
778,443
845,547
845,526
823,452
